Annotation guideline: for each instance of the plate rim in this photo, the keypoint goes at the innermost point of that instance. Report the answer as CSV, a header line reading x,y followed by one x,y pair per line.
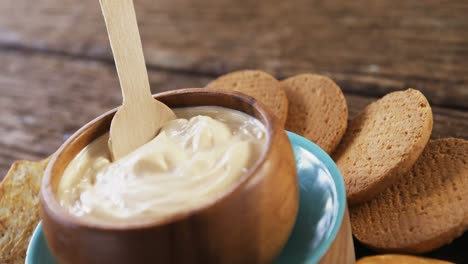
x,y
30,253
340,190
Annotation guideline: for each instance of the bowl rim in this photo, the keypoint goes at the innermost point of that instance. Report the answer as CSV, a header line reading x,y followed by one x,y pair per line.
x,y
340,190
50,204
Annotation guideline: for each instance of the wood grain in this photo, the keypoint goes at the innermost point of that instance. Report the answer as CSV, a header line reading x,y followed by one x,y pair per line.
x,y
342,248
368,47
45,98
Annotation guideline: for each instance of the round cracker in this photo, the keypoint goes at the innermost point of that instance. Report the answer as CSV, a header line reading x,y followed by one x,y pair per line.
x,y
317,109
258,84
383,142
423,210
400,259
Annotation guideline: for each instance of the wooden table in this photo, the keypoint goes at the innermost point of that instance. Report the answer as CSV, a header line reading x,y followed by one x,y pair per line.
x,y
55,59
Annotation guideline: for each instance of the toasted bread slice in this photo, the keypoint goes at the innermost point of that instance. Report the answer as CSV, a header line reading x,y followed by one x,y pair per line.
x,y
19,209
382,143
425,209
317,109
260,85
399,259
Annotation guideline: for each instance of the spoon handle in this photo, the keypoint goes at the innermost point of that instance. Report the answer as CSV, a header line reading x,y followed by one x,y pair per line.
x,y
127,49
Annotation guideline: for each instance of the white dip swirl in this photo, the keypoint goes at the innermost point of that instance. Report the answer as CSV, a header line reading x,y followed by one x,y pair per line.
x,y
192,160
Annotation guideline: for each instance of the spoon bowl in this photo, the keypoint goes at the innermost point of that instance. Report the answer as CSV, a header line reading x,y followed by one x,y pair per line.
x,y
135,125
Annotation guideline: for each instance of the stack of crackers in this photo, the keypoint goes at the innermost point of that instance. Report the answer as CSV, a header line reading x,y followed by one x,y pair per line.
x,y
406,193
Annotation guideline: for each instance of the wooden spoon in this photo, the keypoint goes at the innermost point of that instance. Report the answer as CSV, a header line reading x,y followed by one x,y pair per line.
x,y
140,117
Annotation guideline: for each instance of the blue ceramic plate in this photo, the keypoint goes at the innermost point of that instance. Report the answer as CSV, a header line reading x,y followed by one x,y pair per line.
x,y
321,209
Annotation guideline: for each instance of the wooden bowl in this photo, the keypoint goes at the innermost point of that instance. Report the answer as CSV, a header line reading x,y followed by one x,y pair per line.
x,y
249,223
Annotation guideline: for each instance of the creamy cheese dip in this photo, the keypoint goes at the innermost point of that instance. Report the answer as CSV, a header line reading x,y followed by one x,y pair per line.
x,y
192,160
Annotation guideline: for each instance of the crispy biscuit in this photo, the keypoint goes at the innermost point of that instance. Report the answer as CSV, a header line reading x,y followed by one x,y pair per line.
x,y
258,84
382,143
425,209
399,259
317,109
19,208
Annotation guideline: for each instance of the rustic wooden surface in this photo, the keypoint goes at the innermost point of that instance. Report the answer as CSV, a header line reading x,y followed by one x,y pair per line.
x,y
55,59
369,47
47,97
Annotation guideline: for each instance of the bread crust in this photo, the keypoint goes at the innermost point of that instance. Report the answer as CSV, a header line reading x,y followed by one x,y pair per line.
x,y
19,208
317,109
400,259
425,209
258,84
382,143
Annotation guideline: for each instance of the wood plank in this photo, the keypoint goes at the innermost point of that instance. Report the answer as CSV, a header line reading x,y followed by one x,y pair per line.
x,y
370,47
46,98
